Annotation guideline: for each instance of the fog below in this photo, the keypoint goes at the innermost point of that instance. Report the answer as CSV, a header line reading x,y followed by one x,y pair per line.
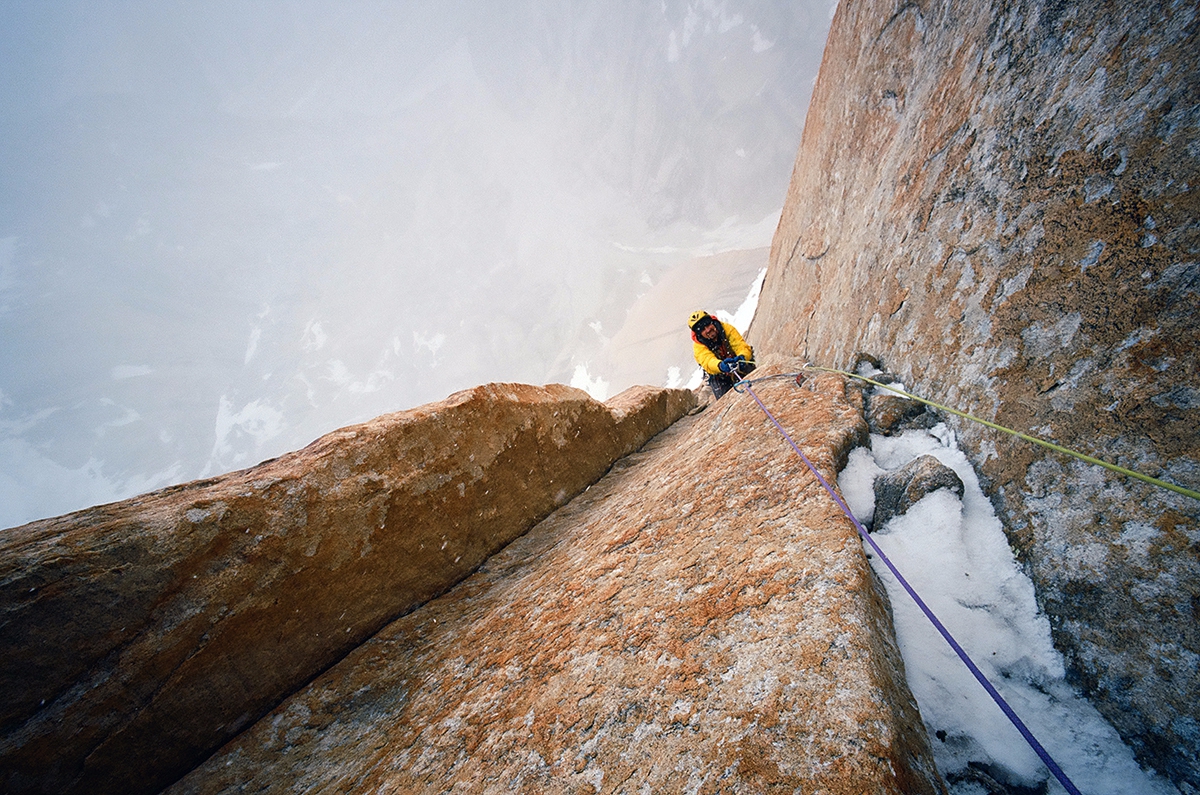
x,y
226,229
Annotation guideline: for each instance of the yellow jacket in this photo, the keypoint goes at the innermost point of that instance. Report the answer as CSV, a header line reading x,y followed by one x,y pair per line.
x,y
710,361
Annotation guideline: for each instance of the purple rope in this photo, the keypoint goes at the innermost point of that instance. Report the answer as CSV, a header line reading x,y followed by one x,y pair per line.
x,y
962,654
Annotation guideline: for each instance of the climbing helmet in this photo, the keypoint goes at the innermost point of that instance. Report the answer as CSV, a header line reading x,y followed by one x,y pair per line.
x,y
698,320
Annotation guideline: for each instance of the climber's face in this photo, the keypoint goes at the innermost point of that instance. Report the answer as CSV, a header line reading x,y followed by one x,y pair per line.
x,y
709,332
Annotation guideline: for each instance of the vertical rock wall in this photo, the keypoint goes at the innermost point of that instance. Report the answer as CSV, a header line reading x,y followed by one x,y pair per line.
x,y
139,636
1000,200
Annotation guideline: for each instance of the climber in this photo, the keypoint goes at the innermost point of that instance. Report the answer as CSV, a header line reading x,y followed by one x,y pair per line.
x,y
720,350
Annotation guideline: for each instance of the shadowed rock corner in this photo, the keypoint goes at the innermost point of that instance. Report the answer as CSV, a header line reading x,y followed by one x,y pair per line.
x,y
701,619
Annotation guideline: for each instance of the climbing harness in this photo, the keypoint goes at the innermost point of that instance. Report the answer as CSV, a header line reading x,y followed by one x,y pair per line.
x,y
1058,448
1051,765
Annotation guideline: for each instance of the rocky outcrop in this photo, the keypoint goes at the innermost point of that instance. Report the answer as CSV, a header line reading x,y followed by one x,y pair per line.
x,y
900,489
703,619
141,635
999,200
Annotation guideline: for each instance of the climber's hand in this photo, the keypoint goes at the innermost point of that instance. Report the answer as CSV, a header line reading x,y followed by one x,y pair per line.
x,y
727,365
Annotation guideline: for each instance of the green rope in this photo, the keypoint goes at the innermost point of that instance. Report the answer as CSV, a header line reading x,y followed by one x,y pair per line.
x,y
1195,495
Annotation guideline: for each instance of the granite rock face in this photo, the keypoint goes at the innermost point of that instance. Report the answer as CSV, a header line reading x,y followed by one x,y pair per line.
x,y
900,489
140,636
888,414
703,619
999,201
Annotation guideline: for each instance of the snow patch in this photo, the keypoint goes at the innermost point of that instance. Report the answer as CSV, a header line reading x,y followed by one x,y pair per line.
x,y
252,345
596,387
955,554
314,337
257,420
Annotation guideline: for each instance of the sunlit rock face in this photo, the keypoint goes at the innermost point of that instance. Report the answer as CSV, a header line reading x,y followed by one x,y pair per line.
x,y
139,636
999,200
701,620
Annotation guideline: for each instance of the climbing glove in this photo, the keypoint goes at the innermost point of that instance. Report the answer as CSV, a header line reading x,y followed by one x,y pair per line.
x,y
727,365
